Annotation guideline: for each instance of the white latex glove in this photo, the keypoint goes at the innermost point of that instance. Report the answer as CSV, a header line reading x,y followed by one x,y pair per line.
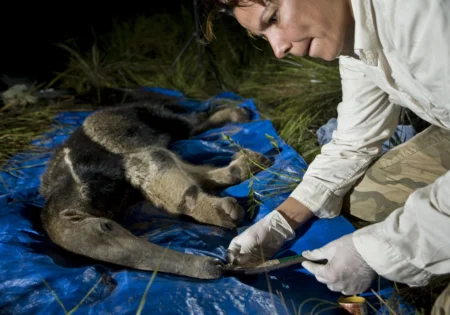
x,y
268,234
345,272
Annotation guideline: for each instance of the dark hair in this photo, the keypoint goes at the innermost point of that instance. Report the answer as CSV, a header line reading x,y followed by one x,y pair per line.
x,y
216,7
227,6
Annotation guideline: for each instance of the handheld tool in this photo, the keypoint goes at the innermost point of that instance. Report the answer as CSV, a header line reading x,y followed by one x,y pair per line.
x,y
268,266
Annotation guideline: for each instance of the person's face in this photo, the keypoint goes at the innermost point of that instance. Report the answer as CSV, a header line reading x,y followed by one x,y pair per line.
x,y
318,28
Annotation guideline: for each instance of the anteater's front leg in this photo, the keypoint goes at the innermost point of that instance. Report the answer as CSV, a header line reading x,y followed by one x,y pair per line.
x,y
160,176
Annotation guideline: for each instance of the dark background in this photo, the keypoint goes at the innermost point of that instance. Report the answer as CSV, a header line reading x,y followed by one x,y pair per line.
x,y
28,33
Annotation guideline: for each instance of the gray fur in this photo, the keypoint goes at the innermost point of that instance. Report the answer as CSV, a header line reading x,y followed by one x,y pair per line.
x,y
120,157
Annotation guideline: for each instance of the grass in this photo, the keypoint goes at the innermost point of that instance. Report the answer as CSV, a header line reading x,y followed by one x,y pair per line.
x,y
297,94
20,125
138,53
19,129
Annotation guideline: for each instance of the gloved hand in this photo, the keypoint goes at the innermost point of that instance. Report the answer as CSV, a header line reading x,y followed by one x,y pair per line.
x,y
345,272
268,235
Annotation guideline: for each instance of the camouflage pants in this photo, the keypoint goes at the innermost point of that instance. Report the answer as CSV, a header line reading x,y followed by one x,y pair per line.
x,y
399,172
442,304
395,175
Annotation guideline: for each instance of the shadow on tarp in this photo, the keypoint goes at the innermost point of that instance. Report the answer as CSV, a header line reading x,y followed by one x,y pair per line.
x,y
28,257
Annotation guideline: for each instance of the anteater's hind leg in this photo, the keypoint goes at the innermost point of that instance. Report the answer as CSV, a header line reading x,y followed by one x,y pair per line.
x,y
106,240
244,163
222,117
160,176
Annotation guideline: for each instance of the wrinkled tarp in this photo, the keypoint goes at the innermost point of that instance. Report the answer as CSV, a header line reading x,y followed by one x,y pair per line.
x,y
402,134
36,276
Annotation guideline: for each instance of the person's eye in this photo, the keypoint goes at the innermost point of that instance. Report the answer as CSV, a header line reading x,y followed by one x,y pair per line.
x,y
274,18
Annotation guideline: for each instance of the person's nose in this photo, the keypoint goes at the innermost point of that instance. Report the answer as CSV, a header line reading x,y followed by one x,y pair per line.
x,y
280,47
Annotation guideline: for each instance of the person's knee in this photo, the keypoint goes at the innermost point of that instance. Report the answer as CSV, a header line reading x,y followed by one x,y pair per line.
x,y
442,304
375,196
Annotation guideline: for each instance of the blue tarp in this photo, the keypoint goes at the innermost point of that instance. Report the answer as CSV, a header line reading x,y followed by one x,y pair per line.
x,y
37,277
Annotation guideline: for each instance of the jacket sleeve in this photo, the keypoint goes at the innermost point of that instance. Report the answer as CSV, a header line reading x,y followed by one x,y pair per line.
x,y
366,118
413,239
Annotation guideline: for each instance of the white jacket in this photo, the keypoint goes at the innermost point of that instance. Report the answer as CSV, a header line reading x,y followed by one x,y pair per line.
x,y
403,49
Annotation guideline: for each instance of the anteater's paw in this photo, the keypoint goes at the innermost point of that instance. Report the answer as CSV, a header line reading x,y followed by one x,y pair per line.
x,y
249,162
